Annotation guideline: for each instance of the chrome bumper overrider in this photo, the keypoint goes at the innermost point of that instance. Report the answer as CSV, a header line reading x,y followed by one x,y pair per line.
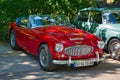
x,y
69,61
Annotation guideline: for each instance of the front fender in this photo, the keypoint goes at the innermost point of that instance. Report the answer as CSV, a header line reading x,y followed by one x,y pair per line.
x,y
107,34
50,41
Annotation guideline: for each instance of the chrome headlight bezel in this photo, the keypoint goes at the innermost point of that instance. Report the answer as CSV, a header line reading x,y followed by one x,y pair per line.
x,y
59,47
101,44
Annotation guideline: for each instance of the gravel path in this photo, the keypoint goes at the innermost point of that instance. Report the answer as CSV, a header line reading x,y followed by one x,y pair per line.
x,y
19,65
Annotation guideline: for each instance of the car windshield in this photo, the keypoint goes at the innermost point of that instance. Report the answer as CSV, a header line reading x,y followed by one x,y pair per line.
x,y
111,16
46,20
55,20
62,19
43,20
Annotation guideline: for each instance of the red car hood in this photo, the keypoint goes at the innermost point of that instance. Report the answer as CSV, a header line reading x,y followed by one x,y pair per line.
x,y
69,35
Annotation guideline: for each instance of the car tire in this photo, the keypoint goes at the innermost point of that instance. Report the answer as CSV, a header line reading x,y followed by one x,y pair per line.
x,y
114,49
13,42
45,58
96,63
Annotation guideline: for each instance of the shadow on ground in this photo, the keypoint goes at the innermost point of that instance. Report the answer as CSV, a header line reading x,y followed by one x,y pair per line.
x,y
21,65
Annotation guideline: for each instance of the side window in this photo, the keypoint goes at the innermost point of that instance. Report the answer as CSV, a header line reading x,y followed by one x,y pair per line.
x,y
83,16
96,17
112,16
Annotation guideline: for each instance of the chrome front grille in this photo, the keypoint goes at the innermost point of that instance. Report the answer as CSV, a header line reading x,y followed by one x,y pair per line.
x,y
78,50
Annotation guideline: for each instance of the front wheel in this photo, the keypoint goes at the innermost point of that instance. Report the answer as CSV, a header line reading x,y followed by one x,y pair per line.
x,y
45,58
114,49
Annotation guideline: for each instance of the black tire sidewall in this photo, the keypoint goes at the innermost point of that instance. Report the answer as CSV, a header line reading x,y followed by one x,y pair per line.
x,y
50,66
109,44
15,47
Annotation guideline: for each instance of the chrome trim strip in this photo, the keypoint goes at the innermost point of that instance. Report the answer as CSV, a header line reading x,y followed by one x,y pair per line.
x,y
69,61
97,55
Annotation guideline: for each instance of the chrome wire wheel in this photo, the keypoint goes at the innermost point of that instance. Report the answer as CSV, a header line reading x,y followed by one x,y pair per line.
x,y
43,58
13,42
114,49
12,39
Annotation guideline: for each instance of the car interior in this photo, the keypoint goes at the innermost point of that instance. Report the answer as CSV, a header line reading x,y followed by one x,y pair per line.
x,y
38,21
30,22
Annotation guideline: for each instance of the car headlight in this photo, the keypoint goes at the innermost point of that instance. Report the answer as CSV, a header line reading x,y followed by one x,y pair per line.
x,y
100,44
59,47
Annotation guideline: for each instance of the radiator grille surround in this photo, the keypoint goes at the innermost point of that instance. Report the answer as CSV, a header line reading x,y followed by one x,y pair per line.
x,y
78,50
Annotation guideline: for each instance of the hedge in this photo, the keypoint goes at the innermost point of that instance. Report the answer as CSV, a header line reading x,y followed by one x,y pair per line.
x,y
10,9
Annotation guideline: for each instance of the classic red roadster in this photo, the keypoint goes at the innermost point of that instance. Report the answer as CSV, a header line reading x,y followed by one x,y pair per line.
x,y
55,44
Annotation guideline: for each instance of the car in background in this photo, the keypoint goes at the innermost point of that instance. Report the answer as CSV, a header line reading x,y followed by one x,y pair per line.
x,y
104,23
54,43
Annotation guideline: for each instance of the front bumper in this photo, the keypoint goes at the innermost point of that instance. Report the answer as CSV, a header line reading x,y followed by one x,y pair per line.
x,y
70,62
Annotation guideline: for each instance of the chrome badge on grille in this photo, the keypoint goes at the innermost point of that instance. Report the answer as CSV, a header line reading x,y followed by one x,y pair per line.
x,y
78,50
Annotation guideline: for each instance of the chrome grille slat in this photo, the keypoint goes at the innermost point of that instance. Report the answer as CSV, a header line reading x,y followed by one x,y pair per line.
x,y
78,50
72,50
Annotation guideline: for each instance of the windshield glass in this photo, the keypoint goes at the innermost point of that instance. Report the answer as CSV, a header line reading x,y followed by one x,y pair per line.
x,y
55,20
46,20
111,17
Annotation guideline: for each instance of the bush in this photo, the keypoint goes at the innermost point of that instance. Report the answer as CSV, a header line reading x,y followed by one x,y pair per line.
x,y
10,9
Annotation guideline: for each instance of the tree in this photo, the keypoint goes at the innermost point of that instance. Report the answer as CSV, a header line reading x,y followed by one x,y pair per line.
x,y
10,9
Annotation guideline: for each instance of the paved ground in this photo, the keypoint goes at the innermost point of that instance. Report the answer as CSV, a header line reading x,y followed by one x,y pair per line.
x,y
18,65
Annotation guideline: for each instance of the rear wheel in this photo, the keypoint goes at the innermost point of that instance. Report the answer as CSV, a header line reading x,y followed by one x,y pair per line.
x,y
13,42
45,58
114,49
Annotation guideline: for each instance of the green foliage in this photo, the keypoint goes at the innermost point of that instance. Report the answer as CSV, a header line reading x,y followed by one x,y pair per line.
x,y
10,9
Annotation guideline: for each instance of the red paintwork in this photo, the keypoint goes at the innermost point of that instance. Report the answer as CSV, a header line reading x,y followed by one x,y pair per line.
x,y
31,39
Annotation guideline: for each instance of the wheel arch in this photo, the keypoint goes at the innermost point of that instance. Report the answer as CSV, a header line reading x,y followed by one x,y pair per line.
x,y
50,41
9,31
40,45
50,45
11,27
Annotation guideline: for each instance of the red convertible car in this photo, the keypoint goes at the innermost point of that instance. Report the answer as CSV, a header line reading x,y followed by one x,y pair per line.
x,y
55,44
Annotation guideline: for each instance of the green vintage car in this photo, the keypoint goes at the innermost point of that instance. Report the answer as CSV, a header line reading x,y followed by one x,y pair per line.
x,y
103,22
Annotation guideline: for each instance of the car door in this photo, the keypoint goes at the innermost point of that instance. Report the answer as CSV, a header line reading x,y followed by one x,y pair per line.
x,y
26,38
89,20
82,20
31,41
20,31
95,18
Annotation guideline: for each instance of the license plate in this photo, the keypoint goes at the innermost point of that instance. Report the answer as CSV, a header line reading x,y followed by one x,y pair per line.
x,y
83,63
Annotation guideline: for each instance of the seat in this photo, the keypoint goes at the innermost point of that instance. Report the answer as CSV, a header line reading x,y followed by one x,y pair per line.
x,y
22,21
18,21
34,21
112,18
37,20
